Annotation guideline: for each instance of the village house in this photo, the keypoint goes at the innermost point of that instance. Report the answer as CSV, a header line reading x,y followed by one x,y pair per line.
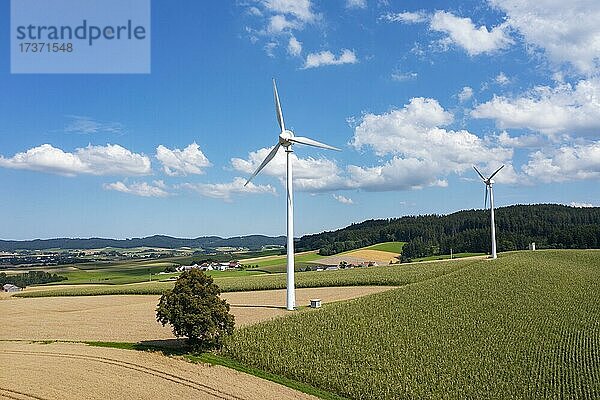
x,y
9,287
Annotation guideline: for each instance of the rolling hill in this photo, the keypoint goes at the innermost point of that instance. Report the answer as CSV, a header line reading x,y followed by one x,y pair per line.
x,y
253,242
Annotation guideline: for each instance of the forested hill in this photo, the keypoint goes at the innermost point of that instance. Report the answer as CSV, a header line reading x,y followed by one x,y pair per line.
x,y
207,242
548,225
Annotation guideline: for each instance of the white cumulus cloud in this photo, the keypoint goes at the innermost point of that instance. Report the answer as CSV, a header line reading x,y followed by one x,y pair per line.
x,y
562,109
94,160
279,24
342,199
396,174
113,159
566,163
294,46
423,151
226,191
298,9
143,189
279,19
463,33
521,141
567,31
465,94
309,174
190,160
315,60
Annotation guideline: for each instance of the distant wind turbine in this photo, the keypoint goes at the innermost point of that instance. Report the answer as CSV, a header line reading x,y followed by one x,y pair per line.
x,y
286,140
489,182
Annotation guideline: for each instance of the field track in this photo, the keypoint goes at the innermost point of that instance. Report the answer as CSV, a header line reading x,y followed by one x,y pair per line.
x,y
13,394
129,366
104,373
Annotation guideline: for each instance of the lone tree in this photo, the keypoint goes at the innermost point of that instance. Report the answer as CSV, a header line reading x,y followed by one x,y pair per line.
x,y
195,311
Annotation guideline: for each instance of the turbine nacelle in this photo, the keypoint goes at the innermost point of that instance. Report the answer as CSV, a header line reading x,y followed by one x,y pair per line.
x,y
285,138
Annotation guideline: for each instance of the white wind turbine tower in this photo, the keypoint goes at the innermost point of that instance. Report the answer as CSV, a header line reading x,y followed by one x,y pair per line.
x,y
489,182
286,140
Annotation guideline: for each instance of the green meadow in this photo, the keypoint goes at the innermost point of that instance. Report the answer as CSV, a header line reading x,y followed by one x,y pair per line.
x,y
391,247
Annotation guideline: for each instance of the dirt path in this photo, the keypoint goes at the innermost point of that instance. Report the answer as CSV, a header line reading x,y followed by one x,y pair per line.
x,y
131,318
76,371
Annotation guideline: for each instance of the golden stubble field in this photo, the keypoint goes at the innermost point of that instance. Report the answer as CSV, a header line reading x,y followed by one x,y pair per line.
x,y
131,318
78,371
361,256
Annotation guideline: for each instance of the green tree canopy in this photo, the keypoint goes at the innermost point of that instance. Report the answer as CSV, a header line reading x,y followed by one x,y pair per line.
x,y
194,310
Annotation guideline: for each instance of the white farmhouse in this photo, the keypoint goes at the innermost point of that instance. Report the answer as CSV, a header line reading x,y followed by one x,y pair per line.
x,y
10,288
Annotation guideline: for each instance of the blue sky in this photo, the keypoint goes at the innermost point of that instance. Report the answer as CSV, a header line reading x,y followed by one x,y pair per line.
x,y
413,96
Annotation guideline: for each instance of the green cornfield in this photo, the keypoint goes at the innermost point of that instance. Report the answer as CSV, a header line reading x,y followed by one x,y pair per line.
x,y
525,326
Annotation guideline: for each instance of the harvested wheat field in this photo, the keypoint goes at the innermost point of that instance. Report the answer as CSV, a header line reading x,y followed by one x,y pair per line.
x,y
76,371
360,256
131,318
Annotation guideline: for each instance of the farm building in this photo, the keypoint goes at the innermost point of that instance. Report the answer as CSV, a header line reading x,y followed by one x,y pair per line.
x,y
186,267
214,266
11,288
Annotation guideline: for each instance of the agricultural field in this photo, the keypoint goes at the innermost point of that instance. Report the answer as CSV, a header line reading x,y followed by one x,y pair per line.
x,y
390,247
139,271
523,326
277,264
395,275
132,318
124,272
79,371
382,253
447,256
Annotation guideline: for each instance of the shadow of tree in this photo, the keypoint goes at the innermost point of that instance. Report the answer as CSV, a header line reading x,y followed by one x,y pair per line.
x,y
167,347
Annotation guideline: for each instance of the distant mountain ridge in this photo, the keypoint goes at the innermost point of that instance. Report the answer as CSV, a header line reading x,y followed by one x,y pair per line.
x,y
206,242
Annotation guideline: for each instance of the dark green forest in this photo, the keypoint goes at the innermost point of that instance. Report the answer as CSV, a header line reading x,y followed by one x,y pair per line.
x,y
548,225
30,278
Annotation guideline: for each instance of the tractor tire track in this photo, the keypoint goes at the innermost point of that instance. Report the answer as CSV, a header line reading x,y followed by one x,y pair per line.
x,y
135,367
15,395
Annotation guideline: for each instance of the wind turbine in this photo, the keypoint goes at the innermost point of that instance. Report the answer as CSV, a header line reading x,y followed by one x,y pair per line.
x,y
489,182
286,140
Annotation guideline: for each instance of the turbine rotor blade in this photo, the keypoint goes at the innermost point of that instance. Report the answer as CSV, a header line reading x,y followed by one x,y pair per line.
x,y
478,173
264,163
278,107
498,170
311,142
